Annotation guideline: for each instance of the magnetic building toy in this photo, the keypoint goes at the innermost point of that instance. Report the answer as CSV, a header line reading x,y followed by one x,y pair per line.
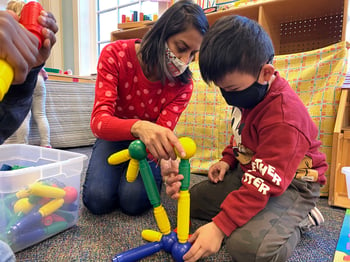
x,y
174,243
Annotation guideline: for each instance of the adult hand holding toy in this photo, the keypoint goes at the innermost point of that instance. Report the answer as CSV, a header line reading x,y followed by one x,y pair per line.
x,y
20,49
160,141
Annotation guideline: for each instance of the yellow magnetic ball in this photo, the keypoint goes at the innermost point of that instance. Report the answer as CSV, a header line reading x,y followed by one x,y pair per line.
x,y
189,146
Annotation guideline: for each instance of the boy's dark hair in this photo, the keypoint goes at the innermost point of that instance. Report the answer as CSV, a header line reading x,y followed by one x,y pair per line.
x,y
181,16
234,43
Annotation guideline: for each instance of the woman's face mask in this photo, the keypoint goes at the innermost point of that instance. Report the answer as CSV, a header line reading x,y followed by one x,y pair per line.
x,y
175,65
247,98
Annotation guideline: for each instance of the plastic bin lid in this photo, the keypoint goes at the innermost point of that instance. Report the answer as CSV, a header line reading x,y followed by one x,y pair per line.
x,y
346,170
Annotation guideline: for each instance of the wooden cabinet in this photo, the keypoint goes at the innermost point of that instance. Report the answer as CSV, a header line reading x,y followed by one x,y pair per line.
x,y
340,153
294,25
137,32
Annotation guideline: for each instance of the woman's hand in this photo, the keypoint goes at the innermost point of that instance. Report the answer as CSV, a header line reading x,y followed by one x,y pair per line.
x,y
160,141
171,177
217,171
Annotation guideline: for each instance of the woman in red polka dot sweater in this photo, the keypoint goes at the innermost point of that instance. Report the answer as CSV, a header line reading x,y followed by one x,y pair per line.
x,y
142,87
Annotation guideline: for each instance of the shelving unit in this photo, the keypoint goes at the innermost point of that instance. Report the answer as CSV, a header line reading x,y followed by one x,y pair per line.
x,y
340,153
294,25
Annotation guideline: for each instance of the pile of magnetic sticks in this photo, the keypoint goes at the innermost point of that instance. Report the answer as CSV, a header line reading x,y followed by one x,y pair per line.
x,y
43,209
175,243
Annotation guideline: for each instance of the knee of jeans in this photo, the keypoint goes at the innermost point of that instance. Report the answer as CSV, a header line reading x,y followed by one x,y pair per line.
x,y
134,204
98,202
134,209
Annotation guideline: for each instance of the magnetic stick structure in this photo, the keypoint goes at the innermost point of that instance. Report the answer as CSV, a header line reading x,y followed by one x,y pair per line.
x,y
171,242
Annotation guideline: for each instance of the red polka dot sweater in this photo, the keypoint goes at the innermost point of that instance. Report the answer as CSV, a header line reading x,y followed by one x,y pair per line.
x,y
123,95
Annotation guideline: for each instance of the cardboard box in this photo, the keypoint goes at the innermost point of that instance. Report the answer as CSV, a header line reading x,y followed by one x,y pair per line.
x,y
39,193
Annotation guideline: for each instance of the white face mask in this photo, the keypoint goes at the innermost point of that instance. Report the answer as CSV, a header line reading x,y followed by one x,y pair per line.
x,y
175,65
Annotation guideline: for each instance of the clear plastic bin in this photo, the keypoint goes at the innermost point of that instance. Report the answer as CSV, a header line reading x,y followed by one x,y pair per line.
x,y
346,171
39,193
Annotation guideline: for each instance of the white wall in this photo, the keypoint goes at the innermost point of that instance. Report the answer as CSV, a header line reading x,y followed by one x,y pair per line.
x,y
76,38
3,4
56,58
85,41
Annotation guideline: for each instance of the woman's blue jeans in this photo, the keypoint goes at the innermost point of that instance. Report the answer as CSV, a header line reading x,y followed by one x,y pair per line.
x,y
106,188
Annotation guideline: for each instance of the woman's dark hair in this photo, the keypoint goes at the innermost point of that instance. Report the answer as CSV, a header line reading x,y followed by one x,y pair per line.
x,y
179,17
234,43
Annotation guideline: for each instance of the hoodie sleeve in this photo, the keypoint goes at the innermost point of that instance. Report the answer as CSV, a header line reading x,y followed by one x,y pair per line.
x,y
16,105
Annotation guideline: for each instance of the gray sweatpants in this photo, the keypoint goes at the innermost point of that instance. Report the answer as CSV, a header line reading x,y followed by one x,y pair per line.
x,y
273,233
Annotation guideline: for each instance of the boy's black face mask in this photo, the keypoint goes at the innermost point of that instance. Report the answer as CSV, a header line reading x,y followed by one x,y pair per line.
x,y
247,98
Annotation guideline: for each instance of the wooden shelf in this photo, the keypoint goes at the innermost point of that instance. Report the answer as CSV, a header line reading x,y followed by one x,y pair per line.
x,y
71,78
131,25
294,25
251,12
340,153
138,32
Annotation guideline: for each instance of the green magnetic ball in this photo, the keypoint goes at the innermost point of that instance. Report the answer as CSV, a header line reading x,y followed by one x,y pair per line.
x,y
137,150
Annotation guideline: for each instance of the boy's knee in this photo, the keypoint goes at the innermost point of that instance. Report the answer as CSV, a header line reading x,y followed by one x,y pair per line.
x,y
248,248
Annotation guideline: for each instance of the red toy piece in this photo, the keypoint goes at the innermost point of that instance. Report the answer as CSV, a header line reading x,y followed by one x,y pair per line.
x,y
29,19
71,194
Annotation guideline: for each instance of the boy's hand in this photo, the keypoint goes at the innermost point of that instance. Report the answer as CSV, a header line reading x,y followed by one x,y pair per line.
x,y
171,177
217,171
205,241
